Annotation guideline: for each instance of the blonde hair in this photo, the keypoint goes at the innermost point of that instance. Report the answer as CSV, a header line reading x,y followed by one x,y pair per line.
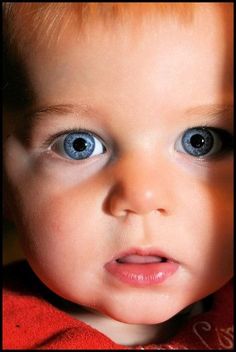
x,y
32,23
24,22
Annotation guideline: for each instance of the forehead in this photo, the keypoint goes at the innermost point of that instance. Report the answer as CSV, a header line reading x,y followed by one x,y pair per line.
x,y
209,31
58,47
29,25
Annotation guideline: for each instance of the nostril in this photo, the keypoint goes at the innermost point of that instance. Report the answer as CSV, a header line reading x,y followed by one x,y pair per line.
x,y
162,211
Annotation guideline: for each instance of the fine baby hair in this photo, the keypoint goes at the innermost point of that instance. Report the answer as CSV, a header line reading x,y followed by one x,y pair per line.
x,y
118,175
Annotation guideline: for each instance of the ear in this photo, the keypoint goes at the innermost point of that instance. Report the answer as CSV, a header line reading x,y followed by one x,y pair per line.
x,y
7,215
7,212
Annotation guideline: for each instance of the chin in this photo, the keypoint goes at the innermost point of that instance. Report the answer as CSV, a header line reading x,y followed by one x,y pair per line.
x,y
142,320
140,317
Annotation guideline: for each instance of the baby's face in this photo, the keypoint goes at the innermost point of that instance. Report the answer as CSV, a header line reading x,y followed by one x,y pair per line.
x,y
113,161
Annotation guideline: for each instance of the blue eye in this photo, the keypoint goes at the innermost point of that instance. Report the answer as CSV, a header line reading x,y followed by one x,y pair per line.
x,y
79,145
205,142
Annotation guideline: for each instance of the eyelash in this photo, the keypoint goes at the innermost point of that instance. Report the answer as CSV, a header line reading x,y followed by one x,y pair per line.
x,y
226,138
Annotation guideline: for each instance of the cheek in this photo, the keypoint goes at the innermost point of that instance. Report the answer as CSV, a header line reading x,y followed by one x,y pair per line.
x,y
60,238
56,219
221,248
58,230
209,225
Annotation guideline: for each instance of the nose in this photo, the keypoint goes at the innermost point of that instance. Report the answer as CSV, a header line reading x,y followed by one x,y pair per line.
x,y
136,189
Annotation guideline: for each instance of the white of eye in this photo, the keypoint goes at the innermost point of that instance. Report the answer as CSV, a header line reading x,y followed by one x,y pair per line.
x,y
59,146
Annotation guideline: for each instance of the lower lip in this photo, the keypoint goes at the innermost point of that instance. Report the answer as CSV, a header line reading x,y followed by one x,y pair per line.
x,y
141,275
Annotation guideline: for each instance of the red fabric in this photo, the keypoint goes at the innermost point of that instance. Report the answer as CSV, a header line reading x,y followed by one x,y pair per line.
x,y
30,321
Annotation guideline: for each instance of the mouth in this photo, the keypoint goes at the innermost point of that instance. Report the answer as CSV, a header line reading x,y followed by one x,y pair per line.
x,y
140,259
141,267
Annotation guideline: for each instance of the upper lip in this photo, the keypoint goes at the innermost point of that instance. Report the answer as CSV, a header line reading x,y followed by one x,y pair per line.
x,y
143,252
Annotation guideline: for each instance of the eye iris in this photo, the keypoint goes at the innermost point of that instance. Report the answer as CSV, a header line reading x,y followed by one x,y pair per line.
x,y
79,145
197,141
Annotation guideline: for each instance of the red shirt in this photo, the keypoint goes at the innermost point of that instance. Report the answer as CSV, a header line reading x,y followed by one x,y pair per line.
x,y
31,322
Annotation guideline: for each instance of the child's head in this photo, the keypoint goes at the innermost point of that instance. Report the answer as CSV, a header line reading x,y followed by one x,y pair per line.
x,y
118,123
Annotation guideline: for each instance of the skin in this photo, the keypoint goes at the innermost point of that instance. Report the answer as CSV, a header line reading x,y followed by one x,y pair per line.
x,y
144,191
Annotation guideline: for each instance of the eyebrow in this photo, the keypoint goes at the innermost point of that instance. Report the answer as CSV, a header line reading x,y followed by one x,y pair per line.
x,y
60,109
211,110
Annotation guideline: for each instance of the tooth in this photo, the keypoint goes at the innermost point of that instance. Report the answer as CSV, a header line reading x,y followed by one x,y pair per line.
x,y
139,259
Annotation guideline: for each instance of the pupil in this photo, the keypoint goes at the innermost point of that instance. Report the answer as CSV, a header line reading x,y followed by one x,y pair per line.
x,y
80,144
197,141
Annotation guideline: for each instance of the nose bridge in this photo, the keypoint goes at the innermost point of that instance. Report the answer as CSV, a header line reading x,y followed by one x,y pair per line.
x,y
137,186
